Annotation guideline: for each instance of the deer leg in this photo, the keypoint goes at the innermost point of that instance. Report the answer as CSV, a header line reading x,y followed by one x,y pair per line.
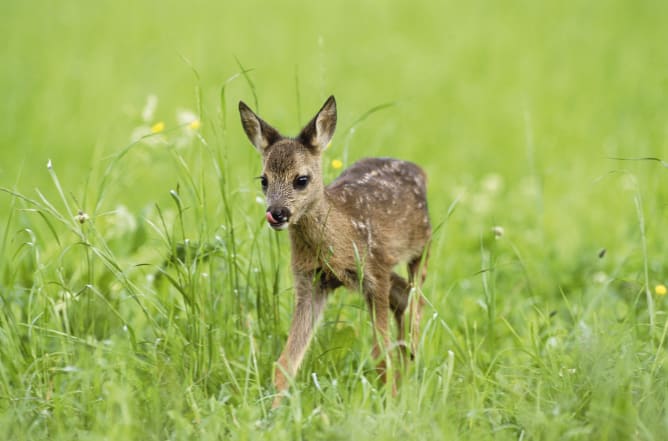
x,y
417,265
310,301
377,293
399,290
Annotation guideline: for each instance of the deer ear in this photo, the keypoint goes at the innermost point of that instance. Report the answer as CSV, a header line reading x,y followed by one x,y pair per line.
x,y
319,131
261,134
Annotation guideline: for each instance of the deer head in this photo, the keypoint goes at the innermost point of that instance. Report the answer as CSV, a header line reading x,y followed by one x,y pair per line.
x,y
291,167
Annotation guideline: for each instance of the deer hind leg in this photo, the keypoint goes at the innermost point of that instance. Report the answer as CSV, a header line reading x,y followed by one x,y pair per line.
x,y
377,294
399,291
416,267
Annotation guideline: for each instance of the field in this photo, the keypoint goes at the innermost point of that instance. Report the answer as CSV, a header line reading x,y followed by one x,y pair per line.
x,y
143,297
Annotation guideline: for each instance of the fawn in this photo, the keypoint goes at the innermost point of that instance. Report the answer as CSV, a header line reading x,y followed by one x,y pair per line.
x,y
350,233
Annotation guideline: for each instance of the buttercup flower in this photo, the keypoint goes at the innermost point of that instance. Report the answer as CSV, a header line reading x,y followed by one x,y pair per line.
x,y
660,289
337,164
158,127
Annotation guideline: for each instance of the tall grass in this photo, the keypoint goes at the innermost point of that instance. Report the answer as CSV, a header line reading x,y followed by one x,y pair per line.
x,y
166,324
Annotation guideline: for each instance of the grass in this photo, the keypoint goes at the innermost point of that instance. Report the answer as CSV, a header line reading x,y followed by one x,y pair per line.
x,y
142,296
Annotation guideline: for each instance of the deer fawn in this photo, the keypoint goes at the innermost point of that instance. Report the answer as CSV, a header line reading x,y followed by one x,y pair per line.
x,y
350,233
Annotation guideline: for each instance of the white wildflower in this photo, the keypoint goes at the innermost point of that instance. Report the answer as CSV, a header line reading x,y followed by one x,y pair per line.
x,y
149,108
492,183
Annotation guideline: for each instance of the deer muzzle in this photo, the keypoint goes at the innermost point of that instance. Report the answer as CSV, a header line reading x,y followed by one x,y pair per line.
x,y
278,217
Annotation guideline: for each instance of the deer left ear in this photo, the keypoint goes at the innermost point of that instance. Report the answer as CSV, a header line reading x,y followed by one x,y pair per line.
x,y
319,131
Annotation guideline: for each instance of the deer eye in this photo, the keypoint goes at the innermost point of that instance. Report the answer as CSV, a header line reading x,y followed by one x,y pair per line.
x,y
301,182
264,182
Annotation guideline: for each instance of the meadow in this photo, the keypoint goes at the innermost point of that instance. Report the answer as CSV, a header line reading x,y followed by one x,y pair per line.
x,y
143,297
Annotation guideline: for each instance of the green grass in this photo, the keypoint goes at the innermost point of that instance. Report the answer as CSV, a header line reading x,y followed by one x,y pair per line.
x,y
159,311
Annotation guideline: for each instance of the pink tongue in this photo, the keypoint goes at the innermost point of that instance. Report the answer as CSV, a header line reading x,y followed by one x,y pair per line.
x,y
270,218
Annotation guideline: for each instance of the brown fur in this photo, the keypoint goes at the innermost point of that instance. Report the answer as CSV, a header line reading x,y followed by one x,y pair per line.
x,y
352,232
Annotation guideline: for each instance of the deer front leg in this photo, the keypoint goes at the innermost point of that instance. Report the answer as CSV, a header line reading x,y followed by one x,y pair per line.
x,y
310,301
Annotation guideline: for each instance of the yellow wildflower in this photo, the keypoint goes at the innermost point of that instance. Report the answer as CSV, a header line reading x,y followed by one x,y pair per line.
x,y
195,124
337,164
158,127
660,289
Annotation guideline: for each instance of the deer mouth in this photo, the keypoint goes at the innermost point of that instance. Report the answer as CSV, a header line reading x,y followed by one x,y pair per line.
x,y
276,224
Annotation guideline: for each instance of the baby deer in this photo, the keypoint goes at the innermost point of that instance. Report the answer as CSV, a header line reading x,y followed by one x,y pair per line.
x,y
350,233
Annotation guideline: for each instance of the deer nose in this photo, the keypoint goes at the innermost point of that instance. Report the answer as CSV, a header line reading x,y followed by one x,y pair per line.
x,y
277,215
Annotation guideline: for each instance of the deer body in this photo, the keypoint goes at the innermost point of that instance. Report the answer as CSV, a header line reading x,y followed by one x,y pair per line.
x,y
351,233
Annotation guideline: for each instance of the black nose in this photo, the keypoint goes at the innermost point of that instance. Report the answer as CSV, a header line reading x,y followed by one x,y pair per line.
x,y
280,214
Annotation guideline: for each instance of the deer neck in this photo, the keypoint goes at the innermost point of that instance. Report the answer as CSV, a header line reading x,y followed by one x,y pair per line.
x,y
313,229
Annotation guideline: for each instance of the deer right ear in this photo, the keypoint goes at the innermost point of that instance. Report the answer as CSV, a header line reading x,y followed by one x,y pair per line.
x,y
261,134
319,131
